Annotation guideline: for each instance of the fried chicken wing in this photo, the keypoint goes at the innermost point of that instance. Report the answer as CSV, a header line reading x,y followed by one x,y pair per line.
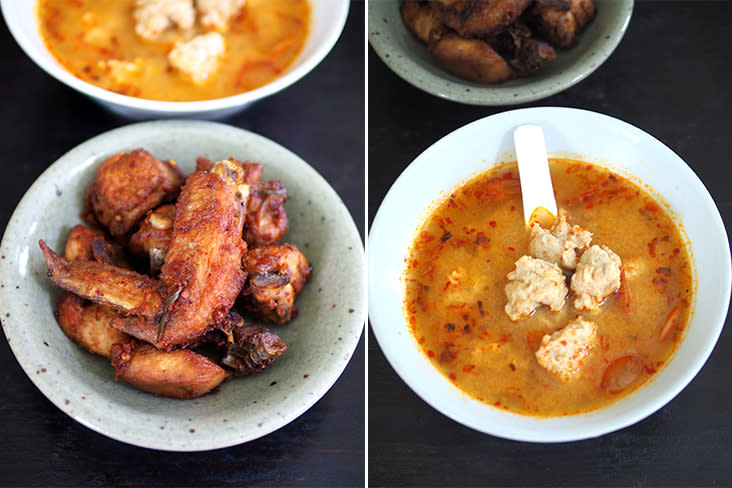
x,y
152,239
124,290
419,17
177,374
472,59
202,268
266,216
252,171
87,324
480,18
254,349
127,185
276,275
562,21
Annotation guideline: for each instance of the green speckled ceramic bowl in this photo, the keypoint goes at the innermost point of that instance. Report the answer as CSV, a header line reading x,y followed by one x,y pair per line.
x,y
320,340
407,56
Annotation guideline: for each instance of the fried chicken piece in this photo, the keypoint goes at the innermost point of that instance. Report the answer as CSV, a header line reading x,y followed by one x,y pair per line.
x,y
215,14
124,290
561,21
472,59
152,17
85,244
480,18
255,348
152,239
177,374
129,184
252,171
87,324
532,57
266,216
276,275
203,264
419,17
524,53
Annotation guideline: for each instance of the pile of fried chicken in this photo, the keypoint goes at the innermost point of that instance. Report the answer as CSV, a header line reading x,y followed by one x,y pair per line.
x,y
491,41
165,262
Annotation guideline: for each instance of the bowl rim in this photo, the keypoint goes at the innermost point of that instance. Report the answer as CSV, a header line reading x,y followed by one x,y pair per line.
x,y
54,69
449,87
89,153
393,336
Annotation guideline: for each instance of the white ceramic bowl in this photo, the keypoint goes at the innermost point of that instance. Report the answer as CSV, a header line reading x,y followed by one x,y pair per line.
x,y
569,133
408,57
328,19
320,340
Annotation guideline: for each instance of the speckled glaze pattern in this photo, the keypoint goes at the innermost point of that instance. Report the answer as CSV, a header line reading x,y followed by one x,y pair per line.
x,y
320,340
408,57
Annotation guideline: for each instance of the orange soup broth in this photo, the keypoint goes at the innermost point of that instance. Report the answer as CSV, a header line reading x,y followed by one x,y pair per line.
x,y
262,42
456,275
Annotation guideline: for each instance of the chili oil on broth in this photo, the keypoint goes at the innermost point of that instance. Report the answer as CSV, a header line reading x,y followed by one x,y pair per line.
x,y
456,274
262,41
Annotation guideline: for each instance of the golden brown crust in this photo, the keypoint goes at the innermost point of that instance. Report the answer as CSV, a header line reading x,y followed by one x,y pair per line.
x,y
152,239
124,290
420,18
127,185
276,275
480,18
203,263
87,324
472,59
266,216
177,374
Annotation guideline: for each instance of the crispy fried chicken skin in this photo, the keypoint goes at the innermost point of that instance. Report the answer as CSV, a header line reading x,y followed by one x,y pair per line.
x,y
480,18
276,275
266,216
420,18
87,324
126,291
202,266
254,349
127,185
561,21
492,41
152,239
177,374
146,324
472,59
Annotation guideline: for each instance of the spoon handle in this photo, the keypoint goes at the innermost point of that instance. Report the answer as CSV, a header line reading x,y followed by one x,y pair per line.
x,y
536,183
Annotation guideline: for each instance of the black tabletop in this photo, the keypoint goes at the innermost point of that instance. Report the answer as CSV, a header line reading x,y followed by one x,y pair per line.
x,y
41,446
671,76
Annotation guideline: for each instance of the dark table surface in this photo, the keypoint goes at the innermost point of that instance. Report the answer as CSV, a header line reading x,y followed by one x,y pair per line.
x,y
671,76
41,446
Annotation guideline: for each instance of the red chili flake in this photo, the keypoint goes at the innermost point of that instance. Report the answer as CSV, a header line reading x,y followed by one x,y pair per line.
x,y
564,343
511,248
492,223
674,253
452,376
431,354
513,207
487,260
497,403
468,368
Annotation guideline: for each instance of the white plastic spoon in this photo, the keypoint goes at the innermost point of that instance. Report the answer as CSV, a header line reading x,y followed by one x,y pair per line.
x,y
536,182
